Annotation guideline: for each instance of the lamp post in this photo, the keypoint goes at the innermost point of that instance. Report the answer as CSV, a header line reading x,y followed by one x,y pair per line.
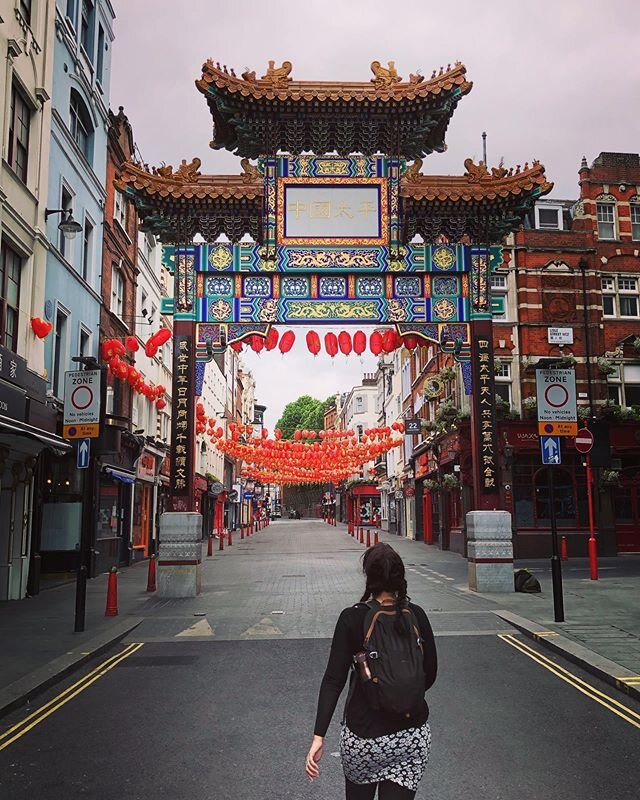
x,y
592,544
68,225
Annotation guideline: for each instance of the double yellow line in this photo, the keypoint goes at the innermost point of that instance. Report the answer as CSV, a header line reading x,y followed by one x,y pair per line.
x,y
622,711
35,718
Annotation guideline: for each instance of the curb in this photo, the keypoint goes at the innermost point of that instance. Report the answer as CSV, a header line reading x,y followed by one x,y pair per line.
x,y
38,680
608,671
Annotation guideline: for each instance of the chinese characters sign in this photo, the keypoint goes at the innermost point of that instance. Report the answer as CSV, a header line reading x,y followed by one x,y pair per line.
x,y
484,401
182,462
339,212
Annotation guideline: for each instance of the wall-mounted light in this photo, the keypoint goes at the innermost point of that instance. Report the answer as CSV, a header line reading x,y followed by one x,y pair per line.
x,y
68,225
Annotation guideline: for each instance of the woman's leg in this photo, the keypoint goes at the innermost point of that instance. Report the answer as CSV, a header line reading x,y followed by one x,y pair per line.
x,y
359,791
393,791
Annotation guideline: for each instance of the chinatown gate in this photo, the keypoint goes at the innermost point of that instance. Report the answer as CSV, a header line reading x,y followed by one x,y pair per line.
x,y
321,227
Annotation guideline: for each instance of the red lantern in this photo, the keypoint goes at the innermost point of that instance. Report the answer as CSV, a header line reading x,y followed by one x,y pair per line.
x,y
133,377
297,435
410,342
375,343
41,327
344,340
162,336
313,342
331,344
257,343
131,343
160,404
272,339
150,349
237,346
286,343
389,341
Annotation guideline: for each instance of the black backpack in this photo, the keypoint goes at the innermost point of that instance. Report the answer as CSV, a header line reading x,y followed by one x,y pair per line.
x,y
394,661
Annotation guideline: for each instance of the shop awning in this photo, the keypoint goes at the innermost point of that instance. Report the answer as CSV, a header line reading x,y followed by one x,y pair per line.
x,y
46,439
120,475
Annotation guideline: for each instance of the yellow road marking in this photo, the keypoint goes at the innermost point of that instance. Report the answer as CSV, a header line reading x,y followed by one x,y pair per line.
x,y
61,699
545,633
627,714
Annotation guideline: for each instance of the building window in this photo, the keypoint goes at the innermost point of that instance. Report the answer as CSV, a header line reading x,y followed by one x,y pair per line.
x,y
634,209
120,209
71,12
19,124
359,405
360,431
59,351
80,124
625,388
549,218
499,289
628,296
100,55
532,496
606,220
87,249
86,27
84,348
117,291
25,11
10,272
66,203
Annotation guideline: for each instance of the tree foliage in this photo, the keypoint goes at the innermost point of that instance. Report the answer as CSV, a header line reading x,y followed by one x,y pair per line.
x,y
305,412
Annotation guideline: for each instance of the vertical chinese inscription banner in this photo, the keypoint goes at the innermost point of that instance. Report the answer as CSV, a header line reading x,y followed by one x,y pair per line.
x,y
484,391
183,423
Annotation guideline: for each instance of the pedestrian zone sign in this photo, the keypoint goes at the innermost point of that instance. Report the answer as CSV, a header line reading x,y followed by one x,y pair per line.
x,y
550,447
556,401
81,404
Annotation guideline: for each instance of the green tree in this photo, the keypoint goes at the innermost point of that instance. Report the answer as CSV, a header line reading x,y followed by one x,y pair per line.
x,y
305,412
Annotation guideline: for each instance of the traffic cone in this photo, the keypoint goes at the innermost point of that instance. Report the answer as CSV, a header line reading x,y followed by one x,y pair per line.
x,y
368,537
209,545
375,536
112,594
151,576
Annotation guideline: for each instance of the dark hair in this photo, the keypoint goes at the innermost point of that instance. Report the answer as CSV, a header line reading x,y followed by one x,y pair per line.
x,y
384,571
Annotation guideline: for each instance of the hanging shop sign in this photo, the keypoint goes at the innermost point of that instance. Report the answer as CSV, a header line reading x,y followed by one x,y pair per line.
x,y
484,391
412,427
182,421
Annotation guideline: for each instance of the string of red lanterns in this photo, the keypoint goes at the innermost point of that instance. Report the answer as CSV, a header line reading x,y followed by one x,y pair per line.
x,y
386,341
112,351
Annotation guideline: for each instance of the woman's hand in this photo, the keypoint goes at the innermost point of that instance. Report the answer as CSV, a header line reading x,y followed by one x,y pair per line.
x,y
313,757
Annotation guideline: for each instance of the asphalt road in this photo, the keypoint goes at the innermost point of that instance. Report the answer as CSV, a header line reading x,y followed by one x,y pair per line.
x,y
228,714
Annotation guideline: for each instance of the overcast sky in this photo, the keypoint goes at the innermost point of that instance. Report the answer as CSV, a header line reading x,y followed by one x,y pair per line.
x,y
553,80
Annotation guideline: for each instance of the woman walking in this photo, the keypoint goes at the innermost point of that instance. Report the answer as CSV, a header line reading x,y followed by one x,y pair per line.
x,y
388,641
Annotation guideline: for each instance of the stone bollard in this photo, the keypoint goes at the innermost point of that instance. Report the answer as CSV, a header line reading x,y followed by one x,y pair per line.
x,y
490,551
179,569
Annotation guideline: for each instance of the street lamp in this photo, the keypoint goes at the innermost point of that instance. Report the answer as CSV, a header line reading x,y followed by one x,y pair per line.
x,y
68,225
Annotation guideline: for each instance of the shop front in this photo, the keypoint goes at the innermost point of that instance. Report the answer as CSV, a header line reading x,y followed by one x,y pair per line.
x,y
145,505
363,504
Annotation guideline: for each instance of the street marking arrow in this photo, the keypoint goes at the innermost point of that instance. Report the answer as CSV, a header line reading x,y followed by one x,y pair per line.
x,y
200,628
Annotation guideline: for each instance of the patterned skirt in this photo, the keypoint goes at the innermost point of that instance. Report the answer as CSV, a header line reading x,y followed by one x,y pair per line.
x,y
399,757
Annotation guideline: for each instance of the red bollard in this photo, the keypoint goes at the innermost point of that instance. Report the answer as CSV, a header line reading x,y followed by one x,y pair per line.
x,y
151,576
209,545
375,537
361,536
112,594
564,549
242,532
221,535
368,537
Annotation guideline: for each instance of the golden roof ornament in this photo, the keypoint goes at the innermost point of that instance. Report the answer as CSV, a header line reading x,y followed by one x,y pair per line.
x,y
278,76
412,172
186,172
250,172
384,76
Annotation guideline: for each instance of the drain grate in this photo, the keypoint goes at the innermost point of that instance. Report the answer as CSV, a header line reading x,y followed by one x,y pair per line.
x,y
159,661
294,576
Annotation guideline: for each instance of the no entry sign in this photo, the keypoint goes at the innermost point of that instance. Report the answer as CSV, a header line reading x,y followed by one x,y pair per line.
x,y
584,440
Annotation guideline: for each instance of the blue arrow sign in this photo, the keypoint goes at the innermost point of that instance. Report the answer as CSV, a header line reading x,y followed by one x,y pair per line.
x,y
550,447
83,454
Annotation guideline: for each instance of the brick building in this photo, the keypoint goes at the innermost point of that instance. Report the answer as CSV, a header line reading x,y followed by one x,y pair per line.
x,y
568,295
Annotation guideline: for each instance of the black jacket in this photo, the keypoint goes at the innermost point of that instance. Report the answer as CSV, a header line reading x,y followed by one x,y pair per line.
x,y
360,718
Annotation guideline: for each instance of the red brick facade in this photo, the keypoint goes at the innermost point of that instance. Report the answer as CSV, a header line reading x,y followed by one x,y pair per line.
x,y
119,256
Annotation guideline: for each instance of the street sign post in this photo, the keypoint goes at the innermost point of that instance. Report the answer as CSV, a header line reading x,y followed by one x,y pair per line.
x,y
584,444
550,448
556,402
83,455
82,404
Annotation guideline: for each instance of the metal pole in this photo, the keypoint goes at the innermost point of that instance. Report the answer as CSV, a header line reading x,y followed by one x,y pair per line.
x,y
587,340
556,565
593,545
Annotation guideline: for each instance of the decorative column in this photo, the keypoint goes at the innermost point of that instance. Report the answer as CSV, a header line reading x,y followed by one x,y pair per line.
x,y
180,548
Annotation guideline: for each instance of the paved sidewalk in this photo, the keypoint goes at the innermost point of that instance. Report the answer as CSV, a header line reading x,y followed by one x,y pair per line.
x,y
38,642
